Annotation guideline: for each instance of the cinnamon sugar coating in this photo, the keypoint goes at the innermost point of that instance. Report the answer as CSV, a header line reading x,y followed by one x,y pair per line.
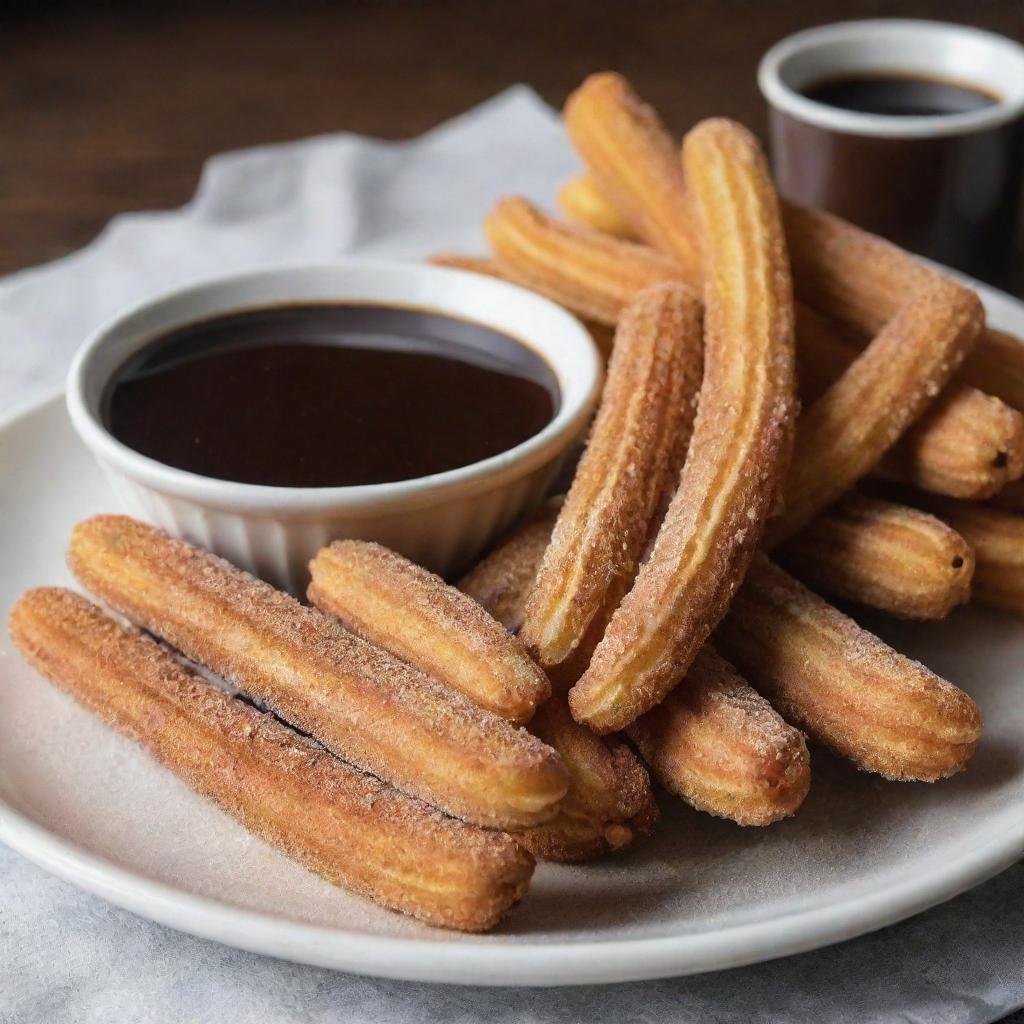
x,y
359,701
349,827
403,608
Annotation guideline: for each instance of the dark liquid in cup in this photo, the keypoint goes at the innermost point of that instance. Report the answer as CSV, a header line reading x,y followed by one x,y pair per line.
x,y
329,395
899,95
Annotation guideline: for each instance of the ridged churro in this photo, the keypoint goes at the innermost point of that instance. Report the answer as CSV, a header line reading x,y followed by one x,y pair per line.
x,y
646,412
407,610
862,280
720,746
569,264
609,803
713,741
360,702
885,555
845,432
740,445
587,206
966,444
344,825
997,538
843,686
635,163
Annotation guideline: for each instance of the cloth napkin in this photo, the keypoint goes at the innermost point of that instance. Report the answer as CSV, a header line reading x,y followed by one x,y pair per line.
x,y
67,956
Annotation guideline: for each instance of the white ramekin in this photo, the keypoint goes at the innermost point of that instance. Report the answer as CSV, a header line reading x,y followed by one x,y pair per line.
x,y
442,521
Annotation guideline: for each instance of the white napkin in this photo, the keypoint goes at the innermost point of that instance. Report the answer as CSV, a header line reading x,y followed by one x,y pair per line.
x,y
66,956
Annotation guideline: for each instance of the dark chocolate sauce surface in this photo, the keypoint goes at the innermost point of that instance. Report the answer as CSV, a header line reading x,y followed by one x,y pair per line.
x,y
898,95
329,395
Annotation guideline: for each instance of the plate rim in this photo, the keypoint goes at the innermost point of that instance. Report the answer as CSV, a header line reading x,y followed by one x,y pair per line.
x,y
476,960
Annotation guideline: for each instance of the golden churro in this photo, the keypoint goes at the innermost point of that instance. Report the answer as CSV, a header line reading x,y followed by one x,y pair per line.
x,y
740,445
889,556
720,746
346,826
997,538
569,264
713,741
400,606
646,411
862,280
966,444
841,436
635,163
585,205
359,701
843,686
609,802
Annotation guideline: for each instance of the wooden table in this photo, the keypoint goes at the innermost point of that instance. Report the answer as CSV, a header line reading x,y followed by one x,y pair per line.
x,y
117,110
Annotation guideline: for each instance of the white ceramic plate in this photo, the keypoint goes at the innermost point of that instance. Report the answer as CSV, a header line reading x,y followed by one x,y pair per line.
x,y
701,894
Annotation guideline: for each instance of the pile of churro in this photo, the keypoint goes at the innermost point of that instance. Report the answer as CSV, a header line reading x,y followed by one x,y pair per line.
x,y
754,454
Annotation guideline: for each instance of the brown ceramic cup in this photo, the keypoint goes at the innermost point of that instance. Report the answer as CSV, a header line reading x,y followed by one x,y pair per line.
x,y
945,185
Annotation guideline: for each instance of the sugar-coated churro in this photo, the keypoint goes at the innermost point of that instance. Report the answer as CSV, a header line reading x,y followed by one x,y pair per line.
x,y
845,432
569,264
346,826
885,555
635,163
646,411
740,445
721,746
843,686
400,606
862,279
585,205
966,444
360,702
997,538
609,803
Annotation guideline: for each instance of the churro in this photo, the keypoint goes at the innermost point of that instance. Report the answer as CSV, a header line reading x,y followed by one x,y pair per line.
x,y
646,411
359,701
843,686
845,432
407,610
340,823
862,280
997,538
569,264
720,746
587,206
966,444
635,163
885,555
740,445
609,803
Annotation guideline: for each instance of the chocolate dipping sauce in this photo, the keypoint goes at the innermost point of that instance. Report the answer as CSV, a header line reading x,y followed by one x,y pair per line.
x,y
896,95
329,395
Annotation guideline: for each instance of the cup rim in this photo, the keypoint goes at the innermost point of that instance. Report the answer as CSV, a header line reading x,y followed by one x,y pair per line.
x,y
784,97
560,339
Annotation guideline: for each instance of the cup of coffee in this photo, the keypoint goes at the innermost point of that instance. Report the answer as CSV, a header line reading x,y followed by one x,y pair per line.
x,y
911,129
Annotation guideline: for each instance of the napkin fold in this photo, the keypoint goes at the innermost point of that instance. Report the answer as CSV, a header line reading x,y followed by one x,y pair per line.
x,y
68,956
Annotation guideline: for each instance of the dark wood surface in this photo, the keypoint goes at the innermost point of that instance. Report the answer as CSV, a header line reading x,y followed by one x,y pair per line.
x,y
105,108
113,107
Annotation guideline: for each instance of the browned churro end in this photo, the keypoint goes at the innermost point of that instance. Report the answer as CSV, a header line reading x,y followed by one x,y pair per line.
x,y
722,748
843,686
885,555
609,803
358,700
344,825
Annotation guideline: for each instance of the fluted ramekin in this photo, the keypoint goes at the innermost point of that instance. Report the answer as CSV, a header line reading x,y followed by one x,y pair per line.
x,y
442,521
